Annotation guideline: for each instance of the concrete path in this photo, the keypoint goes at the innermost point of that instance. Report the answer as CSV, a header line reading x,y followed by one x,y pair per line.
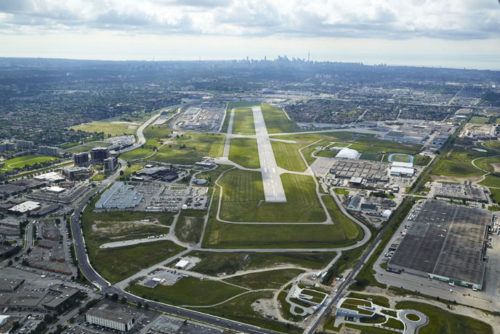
x,y
273,188
123,243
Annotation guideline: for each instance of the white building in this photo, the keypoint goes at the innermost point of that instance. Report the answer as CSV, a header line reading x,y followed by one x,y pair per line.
x,y
116,320
348,153
402,169
24,207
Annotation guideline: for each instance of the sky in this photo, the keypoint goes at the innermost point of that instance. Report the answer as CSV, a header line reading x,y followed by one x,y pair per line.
x,y
438,33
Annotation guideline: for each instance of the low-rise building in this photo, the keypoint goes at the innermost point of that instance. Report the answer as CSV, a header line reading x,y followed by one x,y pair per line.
x,y
110,318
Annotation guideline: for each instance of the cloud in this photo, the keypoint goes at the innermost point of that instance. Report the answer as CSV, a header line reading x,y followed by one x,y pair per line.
x,y
390,19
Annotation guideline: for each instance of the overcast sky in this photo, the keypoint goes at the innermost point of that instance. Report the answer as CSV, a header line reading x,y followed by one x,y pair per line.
x,y
447,33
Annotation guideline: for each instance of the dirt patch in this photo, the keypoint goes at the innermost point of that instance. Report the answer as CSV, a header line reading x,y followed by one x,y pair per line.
x,y
496,167
108,228
266,307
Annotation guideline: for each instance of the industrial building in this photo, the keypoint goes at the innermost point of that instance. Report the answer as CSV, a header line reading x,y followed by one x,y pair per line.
x,y
360,173
98,154
81,159
119,196
347,153
459,192
446,242
159,173
77,173
402,169
50,177
110,317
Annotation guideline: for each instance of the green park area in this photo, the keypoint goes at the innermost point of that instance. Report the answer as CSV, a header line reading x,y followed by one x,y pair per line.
x,y
110,129
26,160
287,156
444,322
243,122
243,199
244,152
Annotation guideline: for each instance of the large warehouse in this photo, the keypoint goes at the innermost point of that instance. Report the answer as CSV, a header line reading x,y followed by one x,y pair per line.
x,y
445,242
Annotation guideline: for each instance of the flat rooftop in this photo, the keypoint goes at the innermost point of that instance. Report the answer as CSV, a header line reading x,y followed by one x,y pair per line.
x,y
446,240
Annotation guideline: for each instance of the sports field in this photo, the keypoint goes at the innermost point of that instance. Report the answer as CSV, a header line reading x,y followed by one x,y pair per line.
x,y
243,122
243,199
244,152
109,128
26,160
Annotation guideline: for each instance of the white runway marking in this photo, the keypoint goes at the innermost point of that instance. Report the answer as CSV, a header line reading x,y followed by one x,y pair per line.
x,y
273,188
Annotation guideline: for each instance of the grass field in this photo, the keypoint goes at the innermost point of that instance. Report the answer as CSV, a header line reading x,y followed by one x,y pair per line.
x,y
26,160
479,120
288,157
116,264
276,120
486,163
108,128
220,235
240,309
229,263
243,199
190,148
231,105
444,322
273,279
100,228
189,291
379,300
458,163
491,181
495,195
244,151
87,146
243,122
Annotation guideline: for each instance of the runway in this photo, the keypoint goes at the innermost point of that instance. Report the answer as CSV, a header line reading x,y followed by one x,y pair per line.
x,y
273,188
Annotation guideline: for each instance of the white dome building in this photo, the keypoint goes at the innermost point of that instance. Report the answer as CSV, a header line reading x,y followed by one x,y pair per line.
x,y
348,153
